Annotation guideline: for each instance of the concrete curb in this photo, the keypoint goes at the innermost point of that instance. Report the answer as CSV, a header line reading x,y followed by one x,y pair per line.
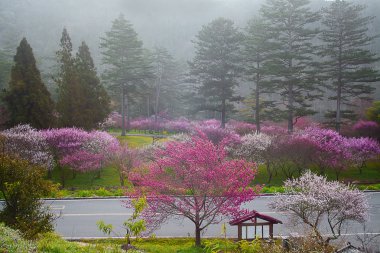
x,y
124,197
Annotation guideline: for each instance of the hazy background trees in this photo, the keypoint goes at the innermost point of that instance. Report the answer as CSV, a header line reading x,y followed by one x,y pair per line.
x,y
172,25
27,99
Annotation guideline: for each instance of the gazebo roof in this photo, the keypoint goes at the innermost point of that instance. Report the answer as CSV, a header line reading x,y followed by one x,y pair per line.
x,y
254,214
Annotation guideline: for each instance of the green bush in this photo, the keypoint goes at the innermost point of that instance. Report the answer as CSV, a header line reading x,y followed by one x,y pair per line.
x,y
272,189
12,242
22,185
102,192
52,243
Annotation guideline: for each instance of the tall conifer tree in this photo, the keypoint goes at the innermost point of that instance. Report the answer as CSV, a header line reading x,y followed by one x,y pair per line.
x,y
217,63
257,49
94,105
27,99
348,62
126,65
292,60
69,90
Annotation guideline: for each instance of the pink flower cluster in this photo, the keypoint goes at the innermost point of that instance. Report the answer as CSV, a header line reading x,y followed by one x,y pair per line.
x,y
78,149
29,144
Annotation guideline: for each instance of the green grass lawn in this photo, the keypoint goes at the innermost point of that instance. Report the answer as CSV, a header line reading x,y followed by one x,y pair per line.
x,y
371,174
108,178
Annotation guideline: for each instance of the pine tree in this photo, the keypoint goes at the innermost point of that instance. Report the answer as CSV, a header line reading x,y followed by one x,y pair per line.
x,y
165,82
70,93
347,63
256,54
217,63
27,99
126,65
94,105
292,61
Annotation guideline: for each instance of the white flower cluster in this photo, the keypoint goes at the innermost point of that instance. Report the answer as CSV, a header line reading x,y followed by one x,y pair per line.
x,y
29,144
252,147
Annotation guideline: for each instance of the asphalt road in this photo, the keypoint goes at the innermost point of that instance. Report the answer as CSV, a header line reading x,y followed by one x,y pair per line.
x,y
78,219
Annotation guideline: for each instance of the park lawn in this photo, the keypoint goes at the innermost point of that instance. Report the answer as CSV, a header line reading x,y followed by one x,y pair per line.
x,y
135,141
369,174
109,177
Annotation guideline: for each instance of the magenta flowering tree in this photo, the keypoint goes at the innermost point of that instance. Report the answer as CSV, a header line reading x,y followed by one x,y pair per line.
x,y
93,153
240,127
367,129
181,125
194,180
333,151
27,143
63,143
212,130
294,153
362,150
125,160
80,150
311,199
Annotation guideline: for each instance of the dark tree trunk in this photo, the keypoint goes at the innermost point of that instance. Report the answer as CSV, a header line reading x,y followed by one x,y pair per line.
x,y
49,174
223,113
148,106
270,173
257,98
123,112
128,113
290,109
62,169
157,102
197,236
338,102
339,92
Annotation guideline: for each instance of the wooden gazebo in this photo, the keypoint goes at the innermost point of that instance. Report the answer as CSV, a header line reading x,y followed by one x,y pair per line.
x,y
255,225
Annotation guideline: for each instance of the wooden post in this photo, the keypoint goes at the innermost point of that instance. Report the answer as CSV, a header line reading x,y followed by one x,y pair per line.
x,y
239,232
271,231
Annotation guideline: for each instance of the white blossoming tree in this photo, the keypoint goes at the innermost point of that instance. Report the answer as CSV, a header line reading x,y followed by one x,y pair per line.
x,y
311,199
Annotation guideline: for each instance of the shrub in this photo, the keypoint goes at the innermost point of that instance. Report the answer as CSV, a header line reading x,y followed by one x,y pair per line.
x,y
11,241
22,185
52,243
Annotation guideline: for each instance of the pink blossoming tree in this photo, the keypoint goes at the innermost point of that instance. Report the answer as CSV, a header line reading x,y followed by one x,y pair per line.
x,y
27,143
311,199
362,150
194,180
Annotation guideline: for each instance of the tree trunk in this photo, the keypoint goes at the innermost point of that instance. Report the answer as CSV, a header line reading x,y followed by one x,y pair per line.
x,y
74,174
223,113
128,125
290,109
49,174
270,173
338,102
121,177
148,106
157,102
197,236
339,90
257,98
123,112
62,176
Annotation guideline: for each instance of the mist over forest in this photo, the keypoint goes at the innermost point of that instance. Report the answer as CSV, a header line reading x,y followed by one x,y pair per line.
x,y
168,23
172,24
